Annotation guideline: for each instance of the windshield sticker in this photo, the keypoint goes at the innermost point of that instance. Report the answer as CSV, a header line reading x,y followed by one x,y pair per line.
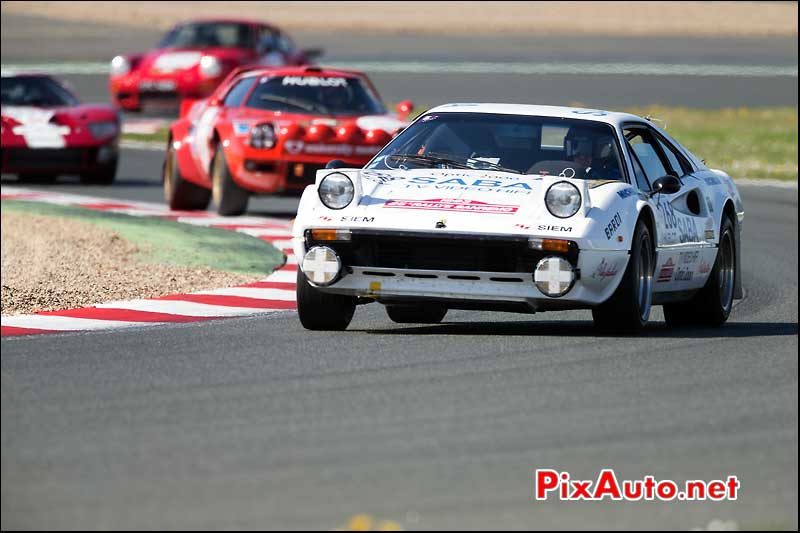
x,y
313,81
454,204
426,118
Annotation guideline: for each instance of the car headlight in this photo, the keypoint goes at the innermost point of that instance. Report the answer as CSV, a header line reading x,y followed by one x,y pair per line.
x,y
101,130
563,199
336,191
210,67
120,66
262,136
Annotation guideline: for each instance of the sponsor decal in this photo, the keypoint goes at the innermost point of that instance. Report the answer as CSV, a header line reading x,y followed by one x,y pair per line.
x,y
688,258
565,229
314,81
241,128
490,183
366,220
454,204
325,218
296,147
683,274
665,274
379,177
709,234
605,270
679,228
522,226
704,268
710,204
712,180
613,225
625,193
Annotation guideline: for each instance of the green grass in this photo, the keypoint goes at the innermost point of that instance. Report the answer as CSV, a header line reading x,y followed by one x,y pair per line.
x,y
751,143
166,241
158,137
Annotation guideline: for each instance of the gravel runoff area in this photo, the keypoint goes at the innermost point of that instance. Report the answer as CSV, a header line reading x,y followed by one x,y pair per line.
x,y
53,263
739,19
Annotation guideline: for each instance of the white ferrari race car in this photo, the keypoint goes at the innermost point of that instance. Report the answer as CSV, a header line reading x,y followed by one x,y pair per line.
x,y
522,208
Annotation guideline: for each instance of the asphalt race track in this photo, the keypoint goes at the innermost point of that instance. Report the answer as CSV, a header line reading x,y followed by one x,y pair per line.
x,y
257,423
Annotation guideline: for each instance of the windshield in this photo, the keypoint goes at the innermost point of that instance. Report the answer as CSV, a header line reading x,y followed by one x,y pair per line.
x,y
327,95
209,35
35,91
510,143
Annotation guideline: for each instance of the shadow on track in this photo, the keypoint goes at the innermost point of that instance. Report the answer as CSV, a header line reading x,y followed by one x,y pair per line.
x,y
586,329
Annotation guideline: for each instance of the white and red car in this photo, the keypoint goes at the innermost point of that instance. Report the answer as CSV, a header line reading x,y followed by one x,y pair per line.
x,y
47,132
522,208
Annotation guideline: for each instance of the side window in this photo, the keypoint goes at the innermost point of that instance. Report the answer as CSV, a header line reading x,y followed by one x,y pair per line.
x,y
643,147
236,95
673,157
641,179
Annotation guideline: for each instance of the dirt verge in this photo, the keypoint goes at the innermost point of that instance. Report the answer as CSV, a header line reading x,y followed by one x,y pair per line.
x,y
52,263
740,19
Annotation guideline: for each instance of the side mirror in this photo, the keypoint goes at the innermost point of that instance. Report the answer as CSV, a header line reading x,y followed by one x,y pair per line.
x,y
336,163
404,108
666,184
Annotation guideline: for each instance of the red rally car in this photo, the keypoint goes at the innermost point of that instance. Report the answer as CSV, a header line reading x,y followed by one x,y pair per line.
x,y
46,132
269,130
194,57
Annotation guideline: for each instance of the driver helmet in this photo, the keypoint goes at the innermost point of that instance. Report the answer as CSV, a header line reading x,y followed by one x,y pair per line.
x,y
583,141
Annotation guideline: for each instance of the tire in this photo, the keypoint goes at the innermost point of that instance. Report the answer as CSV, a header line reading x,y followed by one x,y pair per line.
x,y
712,304
628,309
231,199
103,175
416,314
179,193
320,311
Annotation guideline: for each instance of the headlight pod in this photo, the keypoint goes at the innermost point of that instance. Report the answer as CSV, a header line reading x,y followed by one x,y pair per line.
x,y
563,199
336,191
120,66
210,67
262,136
102,130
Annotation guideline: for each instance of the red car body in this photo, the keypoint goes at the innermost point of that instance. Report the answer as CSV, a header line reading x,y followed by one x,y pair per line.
x,y
47,132
191,65
304,141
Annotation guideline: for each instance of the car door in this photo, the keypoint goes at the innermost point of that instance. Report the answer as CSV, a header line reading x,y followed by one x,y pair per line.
x,y
681,217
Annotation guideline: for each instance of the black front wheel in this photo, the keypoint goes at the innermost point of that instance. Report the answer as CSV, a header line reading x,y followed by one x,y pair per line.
x,y
322,311
628,309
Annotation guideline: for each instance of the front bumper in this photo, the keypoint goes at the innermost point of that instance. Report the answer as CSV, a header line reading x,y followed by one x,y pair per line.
x,y
466,270
67,160
136,91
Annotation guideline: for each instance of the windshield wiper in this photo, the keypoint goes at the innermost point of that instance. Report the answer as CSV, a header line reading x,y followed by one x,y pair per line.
x,y
492,166
431,159
302,104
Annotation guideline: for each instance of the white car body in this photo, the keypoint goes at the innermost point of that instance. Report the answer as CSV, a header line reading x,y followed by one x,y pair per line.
x,y
472,206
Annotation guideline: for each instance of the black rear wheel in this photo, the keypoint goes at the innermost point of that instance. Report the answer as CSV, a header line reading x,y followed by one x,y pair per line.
x,y
712,304
179,193
231,199
103,175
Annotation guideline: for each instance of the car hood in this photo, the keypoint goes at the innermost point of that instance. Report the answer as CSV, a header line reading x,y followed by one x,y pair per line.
x,y
460,200
172,60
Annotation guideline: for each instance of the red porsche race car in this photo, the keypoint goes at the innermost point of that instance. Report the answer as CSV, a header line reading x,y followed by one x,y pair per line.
x,y
269,130
47,132
194,57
